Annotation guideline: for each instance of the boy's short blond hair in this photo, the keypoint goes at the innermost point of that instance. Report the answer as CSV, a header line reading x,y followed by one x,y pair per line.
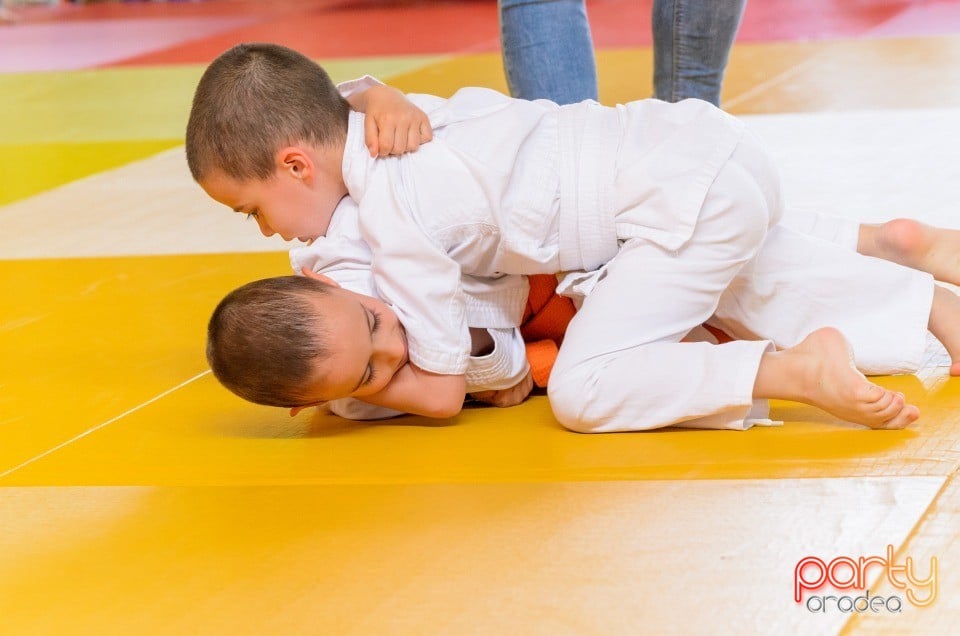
x,y
252,101
265,338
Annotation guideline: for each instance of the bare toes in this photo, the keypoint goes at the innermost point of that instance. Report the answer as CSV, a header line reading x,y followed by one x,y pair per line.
x,y
894,407
871,393
904,418
884,403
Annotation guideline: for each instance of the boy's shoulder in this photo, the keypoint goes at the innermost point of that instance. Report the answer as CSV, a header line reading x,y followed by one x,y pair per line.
x,y
477,103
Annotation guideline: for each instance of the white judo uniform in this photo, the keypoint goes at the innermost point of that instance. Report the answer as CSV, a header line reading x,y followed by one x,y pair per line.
x,y
657,213
344,257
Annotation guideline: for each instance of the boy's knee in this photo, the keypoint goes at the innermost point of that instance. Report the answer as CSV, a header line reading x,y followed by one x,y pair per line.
x,y
746,217
763,176
566,408
570,403
756,225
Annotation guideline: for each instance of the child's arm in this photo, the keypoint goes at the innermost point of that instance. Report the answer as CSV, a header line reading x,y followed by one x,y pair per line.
x,y
420,392
342,258
393,125
496,375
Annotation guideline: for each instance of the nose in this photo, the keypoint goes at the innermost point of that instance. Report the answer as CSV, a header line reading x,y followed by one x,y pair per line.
x,y
388,353
265,228
398,350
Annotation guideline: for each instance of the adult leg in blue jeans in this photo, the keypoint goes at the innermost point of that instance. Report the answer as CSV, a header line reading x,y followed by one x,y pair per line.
x,y
548,50
691,46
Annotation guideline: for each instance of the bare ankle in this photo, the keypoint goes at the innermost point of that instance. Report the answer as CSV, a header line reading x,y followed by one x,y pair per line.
x,y
944,321
782,375
819,371
902,241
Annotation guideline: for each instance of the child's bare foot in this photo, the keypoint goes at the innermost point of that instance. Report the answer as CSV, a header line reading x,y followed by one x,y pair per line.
x,y
944,324
820,371
917,245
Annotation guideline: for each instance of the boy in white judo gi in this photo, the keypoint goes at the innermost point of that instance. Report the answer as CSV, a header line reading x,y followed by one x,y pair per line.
x,y
272,366
655,208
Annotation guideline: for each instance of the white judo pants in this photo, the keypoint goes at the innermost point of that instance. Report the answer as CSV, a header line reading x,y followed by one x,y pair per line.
x,y
623,367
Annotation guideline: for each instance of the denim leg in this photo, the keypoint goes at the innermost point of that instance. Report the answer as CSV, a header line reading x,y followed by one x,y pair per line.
x,y
691,46
547,50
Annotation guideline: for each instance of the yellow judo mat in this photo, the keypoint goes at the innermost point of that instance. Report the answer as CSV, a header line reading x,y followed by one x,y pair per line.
x,y
139,497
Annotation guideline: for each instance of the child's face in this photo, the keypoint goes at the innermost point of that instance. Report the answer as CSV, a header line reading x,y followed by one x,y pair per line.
x,y
367,345
289,204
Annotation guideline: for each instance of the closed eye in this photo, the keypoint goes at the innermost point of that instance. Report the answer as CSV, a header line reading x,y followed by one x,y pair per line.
x,y
373,326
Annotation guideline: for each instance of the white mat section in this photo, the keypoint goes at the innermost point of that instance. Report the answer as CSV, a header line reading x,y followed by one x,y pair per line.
x,y
870,166
150,206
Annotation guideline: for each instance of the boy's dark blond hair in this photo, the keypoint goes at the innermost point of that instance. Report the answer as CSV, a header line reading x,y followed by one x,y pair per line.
x,y
253,100
264,339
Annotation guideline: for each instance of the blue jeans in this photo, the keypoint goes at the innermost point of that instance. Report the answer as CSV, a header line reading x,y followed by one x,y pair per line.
x,y
691,45
548,51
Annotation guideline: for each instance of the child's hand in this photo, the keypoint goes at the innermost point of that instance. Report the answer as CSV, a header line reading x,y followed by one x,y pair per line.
x,y
394,126
507,397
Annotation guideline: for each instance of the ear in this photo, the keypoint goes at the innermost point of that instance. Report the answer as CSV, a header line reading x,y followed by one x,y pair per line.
x,y
309,273
296,162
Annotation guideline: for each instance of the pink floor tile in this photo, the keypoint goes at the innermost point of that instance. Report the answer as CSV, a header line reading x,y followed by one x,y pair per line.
x,y
86,44
924,18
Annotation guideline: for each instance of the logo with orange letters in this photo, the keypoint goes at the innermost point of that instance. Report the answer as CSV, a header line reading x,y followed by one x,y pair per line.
x,y
813,575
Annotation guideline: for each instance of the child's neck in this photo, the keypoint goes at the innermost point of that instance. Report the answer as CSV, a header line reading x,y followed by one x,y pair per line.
x,y
329,162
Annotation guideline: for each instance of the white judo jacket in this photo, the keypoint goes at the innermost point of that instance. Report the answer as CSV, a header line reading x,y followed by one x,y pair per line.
x,y
512,187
